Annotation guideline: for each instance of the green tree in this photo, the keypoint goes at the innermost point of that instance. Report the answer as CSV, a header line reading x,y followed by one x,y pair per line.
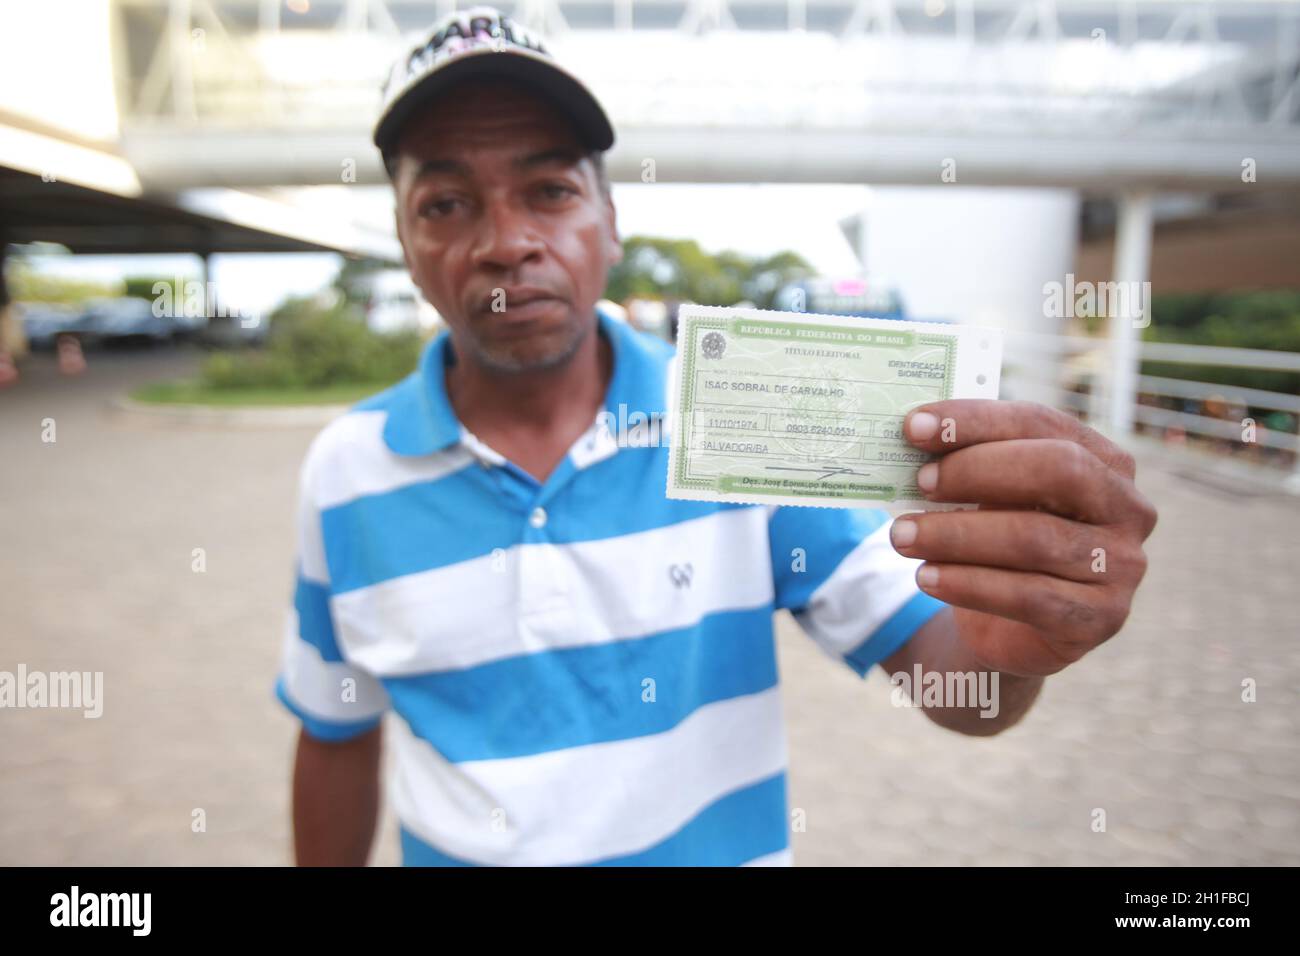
x,y
768,276
27,285
353,276
679,269
141,287
313,347
1251,320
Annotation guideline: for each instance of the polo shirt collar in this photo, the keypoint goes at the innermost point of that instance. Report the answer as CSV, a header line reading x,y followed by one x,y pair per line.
x,y
421,420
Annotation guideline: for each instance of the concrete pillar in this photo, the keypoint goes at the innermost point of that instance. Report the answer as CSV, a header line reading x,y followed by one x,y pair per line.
x,y
211,303
1129,310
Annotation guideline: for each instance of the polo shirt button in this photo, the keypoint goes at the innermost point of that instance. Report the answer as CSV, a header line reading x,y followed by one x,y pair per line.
x,y
538,518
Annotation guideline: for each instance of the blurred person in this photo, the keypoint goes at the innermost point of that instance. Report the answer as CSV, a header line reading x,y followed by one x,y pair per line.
x,y
1219,409
13,342
580,669
1236,412
1146,400
72,360
674,306
1283,425
8,370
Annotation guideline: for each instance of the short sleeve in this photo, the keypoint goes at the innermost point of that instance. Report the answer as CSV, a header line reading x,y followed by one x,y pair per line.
x,y
334,699
850,591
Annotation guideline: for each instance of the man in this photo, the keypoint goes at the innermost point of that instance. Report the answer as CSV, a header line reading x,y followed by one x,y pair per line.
x,y
582,670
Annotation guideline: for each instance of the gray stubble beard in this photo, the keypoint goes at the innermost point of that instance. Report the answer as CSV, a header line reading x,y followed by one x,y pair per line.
x,y
489,361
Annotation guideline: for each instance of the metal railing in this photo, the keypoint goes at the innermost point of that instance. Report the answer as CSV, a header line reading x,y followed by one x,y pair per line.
x,y
1082,360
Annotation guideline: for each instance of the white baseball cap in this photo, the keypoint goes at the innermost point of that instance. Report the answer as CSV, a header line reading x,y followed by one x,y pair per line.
x,y
483,42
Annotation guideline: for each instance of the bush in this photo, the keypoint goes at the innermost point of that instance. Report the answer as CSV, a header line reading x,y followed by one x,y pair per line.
x,y
311,348
1251,320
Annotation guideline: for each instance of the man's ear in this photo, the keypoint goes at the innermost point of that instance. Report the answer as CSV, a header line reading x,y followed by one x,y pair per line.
x,y
614,252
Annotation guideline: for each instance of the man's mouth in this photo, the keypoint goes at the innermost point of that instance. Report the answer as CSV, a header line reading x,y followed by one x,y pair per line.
x,y
520,303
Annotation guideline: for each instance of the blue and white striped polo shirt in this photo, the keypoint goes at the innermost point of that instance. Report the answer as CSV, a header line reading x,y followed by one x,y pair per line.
x,y
583,671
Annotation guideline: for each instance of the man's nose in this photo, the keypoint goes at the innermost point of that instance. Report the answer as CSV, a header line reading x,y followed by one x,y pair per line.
x,y
506,238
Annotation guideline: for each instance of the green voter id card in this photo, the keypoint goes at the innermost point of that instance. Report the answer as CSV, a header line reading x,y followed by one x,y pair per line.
x,y
787,408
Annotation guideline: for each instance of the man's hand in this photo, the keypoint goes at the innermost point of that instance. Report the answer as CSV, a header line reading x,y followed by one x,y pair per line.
x,y
1045,569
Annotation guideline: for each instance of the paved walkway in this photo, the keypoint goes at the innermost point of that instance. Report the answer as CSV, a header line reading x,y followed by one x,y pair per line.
x,y
97,532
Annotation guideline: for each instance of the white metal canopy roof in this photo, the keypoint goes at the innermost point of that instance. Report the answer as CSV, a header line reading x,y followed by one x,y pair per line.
x,y
1165,93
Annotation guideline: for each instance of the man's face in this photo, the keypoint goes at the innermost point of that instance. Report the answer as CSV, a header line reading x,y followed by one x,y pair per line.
x,y
504,224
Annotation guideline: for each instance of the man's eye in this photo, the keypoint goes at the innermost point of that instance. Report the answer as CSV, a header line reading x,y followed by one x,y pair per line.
x,y
439,208
557,191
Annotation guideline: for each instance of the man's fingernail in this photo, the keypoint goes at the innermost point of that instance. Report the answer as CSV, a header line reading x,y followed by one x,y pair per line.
x,y
928,476
903,533
922,426
927,577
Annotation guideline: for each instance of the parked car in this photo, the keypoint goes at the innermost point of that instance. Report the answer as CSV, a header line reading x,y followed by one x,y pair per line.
x,y
43,322
128,320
